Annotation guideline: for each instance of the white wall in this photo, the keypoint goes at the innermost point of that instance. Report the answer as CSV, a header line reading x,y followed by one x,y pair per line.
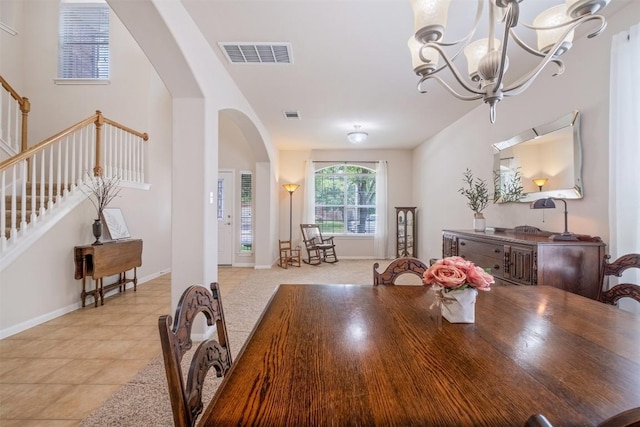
x,y
440,162
40,283
292,170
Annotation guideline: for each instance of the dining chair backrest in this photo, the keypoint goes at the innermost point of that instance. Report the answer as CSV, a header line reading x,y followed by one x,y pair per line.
x,y
616,268
537,420
628,418
175,338
397,268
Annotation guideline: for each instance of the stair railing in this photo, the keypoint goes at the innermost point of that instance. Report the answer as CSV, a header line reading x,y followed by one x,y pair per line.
x,y
56,168
14,114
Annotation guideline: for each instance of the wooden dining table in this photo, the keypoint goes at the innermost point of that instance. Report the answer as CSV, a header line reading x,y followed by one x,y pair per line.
x,y
352,355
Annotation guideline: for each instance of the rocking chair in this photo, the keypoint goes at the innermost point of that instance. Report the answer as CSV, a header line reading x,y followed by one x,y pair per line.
x,y
318,248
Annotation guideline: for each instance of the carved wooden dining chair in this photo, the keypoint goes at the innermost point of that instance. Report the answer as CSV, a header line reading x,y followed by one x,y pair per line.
x,y
628,418
397,268
318,248
537,420
186,399
622,290
288,255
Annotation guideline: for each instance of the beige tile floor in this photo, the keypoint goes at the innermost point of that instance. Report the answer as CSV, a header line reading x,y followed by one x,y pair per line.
x,y
57,373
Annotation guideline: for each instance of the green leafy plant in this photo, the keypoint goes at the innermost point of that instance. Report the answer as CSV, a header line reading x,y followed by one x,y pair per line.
x,y
476,191
511,190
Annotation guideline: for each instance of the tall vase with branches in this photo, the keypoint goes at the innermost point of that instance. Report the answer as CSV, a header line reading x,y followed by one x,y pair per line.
x,y
101,191
476,191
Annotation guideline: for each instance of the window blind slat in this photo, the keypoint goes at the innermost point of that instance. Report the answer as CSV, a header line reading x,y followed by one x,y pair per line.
x,y
83,41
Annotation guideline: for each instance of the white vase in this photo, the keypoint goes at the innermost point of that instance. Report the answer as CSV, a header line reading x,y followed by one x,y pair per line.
x,y
479,223
459,306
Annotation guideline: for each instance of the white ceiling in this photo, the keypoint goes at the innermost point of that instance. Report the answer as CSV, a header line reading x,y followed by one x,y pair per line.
x,y
351,65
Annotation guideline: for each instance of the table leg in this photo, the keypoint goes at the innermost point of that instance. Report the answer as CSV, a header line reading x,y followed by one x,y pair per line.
x,y
135,278
101,293
96,293
83,294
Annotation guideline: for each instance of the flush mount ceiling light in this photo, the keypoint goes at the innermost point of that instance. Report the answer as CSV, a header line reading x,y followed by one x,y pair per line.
x,y
487,59
357,136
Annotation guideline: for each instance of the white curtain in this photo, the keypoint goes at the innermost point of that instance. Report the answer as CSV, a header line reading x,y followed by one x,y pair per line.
x,y
382,224
308,216
624,148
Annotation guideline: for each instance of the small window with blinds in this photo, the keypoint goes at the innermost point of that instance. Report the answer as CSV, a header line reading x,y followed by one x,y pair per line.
x,y
246,212
83,47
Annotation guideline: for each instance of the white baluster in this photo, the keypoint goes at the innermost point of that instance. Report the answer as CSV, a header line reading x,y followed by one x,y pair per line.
x,y
34,195
13,222
50,179
41,180
3,212
23,196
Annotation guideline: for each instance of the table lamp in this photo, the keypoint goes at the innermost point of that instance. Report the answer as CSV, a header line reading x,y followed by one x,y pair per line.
x,y
548,204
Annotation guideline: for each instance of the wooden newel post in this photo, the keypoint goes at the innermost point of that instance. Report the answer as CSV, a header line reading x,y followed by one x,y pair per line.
x,y
25,107
97,168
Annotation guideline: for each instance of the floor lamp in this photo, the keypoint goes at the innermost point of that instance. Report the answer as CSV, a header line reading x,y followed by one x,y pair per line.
x,y
290,188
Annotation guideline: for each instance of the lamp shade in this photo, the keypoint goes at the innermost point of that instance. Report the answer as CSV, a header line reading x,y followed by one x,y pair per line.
x,y
552,17
357,136
540,182
421,67
291,187
475,51
429,18
543,204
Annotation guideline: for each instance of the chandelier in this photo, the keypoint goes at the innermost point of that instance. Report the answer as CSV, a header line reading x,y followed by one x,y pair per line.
x,y
487,59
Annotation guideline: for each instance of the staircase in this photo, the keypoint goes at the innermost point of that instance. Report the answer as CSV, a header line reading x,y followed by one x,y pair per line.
x,y
31,203
41,183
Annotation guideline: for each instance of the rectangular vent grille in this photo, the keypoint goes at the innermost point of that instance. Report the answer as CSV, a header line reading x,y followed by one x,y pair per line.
x,y
257,53
291,115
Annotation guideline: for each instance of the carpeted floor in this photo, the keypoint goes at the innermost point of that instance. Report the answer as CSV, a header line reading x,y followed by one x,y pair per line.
x,y
144,401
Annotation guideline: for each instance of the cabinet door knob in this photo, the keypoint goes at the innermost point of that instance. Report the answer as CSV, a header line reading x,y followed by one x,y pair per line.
x,y
462,243
496,250
496,267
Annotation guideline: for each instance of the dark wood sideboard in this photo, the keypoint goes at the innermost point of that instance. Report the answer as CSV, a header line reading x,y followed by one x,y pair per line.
x,y
107,259
531,258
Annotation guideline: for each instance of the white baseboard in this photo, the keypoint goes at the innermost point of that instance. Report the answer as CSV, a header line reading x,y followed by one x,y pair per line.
x,y
15,329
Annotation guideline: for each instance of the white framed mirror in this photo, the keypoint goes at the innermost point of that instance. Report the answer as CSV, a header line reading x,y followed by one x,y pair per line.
x,y
544,161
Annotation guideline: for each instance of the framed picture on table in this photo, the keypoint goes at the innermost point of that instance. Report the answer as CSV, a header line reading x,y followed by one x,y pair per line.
x,y
114,221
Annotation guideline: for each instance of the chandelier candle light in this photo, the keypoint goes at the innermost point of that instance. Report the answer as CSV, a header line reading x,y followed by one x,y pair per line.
x,y
487,59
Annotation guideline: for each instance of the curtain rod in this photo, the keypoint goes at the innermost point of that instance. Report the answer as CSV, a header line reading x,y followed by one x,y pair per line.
x,y
346,161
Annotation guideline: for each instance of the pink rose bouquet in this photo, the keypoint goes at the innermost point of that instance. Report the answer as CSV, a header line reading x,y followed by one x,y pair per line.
x,y
457,273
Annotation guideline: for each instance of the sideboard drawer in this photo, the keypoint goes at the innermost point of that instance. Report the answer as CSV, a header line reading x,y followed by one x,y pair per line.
x,y
486,249
488,256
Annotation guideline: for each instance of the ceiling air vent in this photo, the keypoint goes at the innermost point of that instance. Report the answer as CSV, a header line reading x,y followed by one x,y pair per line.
x,y
257,53
291,115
